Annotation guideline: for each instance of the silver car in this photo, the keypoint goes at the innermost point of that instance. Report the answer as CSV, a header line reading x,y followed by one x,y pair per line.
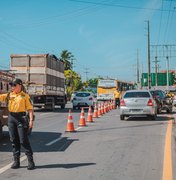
x,y
138,103
83,99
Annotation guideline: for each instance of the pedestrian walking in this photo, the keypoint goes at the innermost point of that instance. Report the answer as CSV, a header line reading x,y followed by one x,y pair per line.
x,y
19,104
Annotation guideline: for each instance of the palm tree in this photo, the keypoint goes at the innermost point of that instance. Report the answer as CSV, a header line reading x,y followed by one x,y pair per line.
x,y
67,57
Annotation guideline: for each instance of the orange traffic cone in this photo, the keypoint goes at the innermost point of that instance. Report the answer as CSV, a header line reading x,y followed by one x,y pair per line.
x,y
105,108
89,117
70,125
102,110
114,105
82,121
99,110
95,115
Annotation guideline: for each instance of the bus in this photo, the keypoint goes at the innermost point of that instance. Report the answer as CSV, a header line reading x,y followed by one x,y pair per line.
x,y
106,88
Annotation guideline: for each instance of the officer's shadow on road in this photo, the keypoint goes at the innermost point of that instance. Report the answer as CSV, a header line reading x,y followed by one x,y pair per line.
x,y
66,166
41,142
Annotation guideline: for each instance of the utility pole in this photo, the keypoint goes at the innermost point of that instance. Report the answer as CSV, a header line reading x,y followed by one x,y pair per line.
x,y
86,72
138,81
167,66
149,71
156,67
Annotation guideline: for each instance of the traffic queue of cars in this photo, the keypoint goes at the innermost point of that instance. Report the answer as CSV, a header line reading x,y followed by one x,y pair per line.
x,y
144,103
134,103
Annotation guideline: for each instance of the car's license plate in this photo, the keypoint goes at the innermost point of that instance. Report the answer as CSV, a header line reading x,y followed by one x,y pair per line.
x,y
135,110
82,103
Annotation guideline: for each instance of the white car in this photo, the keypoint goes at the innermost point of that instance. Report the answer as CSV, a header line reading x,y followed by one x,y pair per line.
x,y
138,103
72,96
83,99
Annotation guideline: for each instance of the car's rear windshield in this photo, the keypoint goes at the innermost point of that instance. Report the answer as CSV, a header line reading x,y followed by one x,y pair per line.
x,y
137,94
154,93
82,94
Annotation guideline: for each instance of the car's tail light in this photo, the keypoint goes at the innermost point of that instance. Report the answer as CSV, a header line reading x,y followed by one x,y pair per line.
x,y
90,98
150,103
122,102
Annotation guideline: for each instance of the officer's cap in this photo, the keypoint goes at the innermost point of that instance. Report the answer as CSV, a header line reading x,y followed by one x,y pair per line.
x,y
15,82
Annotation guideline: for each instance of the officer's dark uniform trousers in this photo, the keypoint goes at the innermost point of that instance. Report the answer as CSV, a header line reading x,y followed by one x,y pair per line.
x,y
18,128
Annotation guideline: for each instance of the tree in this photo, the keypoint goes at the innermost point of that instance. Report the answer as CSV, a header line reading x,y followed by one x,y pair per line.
x,y
73,82
67,57
93,82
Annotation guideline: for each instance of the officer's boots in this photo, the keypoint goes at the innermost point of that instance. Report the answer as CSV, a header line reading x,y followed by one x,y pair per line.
x,y
31,164
16,163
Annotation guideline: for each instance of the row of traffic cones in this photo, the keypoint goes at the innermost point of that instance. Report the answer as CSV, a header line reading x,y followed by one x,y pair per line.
x,y
98,112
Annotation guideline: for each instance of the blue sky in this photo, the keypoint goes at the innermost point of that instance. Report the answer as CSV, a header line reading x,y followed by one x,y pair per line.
x,y
103,35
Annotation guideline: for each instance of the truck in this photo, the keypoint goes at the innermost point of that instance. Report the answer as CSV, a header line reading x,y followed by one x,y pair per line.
x,y
43,77
5,78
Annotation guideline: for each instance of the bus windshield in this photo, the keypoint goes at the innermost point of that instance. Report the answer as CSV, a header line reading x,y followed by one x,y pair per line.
x,y
107,83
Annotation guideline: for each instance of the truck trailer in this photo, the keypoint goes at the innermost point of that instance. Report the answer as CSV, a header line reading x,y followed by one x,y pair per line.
x,y
43,77
5,78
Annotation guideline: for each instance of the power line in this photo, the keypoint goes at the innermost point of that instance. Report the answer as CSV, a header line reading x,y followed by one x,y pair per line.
x,y
167,21
120,6
63,17
15,40
160,23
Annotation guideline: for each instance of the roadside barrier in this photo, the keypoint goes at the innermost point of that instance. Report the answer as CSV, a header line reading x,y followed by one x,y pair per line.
x,y
82,121
89,117
70,125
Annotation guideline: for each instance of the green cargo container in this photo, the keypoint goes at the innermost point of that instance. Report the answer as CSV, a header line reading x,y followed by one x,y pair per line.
x,y
162,79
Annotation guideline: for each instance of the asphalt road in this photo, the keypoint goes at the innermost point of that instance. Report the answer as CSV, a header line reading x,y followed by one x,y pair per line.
x,y
106,149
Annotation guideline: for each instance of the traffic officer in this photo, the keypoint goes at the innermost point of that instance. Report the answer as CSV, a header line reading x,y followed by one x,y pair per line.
x,y
18,104
117,96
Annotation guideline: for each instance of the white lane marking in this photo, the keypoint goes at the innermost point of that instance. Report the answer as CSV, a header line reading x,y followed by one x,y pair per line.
x,y
5,168
78,128
54,141
42,114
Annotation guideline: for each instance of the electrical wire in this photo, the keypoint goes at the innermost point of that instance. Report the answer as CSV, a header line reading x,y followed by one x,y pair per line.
x,y
161,15
58,19
167,24
117,5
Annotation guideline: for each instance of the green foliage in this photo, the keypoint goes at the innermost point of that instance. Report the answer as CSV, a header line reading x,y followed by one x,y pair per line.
x,y
73,82
93,82
67,57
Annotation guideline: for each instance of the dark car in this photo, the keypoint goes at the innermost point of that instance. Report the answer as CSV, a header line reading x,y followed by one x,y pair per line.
x,y
163,101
